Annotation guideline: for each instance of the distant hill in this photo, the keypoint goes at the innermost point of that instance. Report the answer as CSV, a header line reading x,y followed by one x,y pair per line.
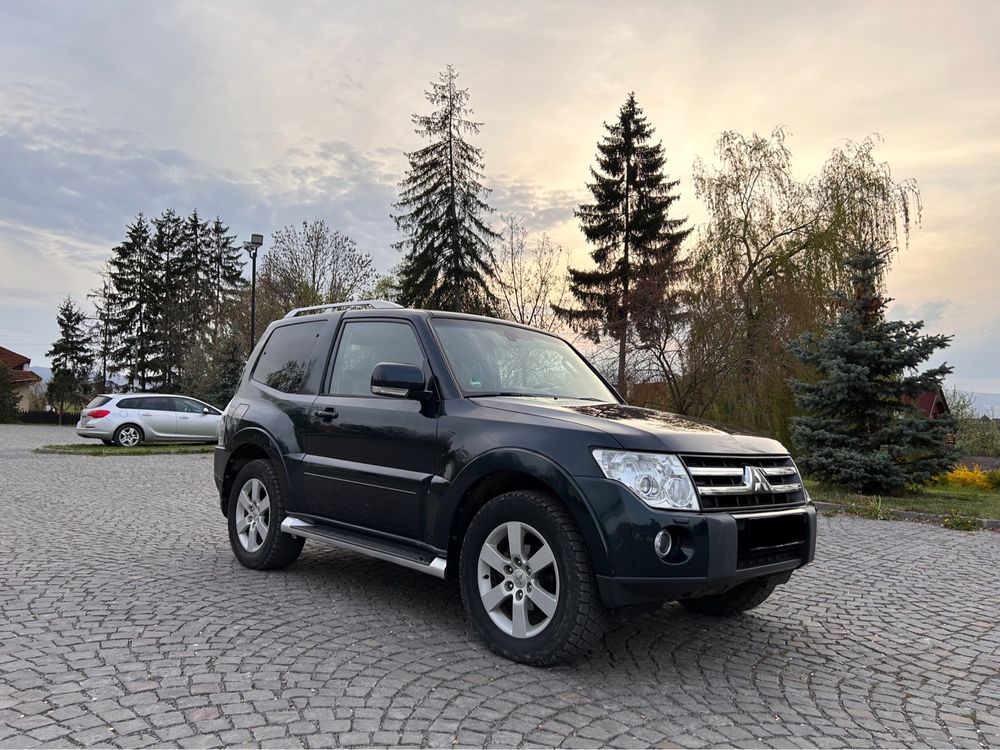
x,y
44,372
987,403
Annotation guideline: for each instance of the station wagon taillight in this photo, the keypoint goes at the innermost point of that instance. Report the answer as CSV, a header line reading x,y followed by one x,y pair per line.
x,y
98,413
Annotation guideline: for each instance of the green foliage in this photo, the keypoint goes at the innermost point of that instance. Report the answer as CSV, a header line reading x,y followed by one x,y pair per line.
x,y
959,521
449,262
64,391
114,450
860,431
873,508
72,352
636,243
766,265
8,395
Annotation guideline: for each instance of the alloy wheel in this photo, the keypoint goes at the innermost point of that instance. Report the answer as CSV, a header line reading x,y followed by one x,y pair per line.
x,y
253,515
518,579
129,437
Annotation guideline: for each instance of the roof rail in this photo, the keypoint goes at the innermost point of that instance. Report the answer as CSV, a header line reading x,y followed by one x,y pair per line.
x,y
375,304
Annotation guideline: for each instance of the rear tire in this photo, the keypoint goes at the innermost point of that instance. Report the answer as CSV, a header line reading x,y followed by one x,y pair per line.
x,y
546,615
128,436
743,598
256,510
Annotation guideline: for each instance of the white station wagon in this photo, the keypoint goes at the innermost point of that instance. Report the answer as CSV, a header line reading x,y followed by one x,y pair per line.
x,y
128,419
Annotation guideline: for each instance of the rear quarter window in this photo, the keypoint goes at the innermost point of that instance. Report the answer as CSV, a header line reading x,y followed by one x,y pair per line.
x,y
282,363
128,403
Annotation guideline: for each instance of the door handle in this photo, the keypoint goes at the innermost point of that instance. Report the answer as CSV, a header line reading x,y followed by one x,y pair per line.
x,y
324,415
183,417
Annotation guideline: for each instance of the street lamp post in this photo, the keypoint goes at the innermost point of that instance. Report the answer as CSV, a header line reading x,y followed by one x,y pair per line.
x,y
256,240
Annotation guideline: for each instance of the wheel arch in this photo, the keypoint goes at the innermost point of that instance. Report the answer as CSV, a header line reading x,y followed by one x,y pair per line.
x,y
251,444
506,470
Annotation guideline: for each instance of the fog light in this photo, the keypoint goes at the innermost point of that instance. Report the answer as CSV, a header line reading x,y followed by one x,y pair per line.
x,y
663,543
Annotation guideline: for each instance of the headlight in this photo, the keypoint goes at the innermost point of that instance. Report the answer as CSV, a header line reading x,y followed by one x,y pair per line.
x,y
659,479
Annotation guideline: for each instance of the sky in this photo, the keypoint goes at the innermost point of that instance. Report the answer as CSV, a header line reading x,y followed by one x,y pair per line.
x,y
268,114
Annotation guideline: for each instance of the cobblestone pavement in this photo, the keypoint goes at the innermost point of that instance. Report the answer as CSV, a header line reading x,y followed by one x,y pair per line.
x,y
126,621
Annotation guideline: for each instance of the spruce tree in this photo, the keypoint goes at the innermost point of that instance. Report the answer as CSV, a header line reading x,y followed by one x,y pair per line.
x,y
103,343
134,273
8,395
223,273
448,260
71,352
636,243
861,429
175,295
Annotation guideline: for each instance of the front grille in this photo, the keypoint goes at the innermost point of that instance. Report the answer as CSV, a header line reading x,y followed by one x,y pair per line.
x,y
770,540
745,482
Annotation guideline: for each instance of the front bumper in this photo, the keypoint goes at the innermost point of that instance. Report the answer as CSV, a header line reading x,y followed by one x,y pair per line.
x,y
713,551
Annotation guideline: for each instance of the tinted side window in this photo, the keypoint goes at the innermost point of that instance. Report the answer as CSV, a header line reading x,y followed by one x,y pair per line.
x,y
129,403
156,403
364,344
282,364
188,406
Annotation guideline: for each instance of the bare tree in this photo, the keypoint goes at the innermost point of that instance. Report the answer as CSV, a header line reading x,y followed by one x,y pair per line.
x,y
530,276
310,266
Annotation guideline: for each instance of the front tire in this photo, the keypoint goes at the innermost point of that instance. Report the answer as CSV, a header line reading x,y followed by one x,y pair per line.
x,y
128,436
256,510
741,599
526,580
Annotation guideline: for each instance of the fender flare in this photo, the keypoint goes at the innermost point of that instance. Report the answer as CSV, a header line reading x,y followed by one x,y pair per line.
x,y
542,469
260,439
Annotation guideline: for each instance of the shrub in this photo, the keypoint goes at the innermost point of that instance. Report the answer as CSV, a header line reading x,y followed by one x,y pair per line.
x,y
874,508
974,477
955,519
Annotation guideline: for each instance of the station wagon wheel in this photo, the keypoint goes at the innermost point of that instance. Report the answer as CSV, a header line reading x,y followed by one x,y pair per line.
x,y
253,514
518,579
128,436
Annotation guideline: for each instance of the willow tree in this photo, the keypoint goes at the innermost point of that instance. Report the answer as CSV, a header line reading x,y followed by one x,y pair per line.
x,y
448,262
774,253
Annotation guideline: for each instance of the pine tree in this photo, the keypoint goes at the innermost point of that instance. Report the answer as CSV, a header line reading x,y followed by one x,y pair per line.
x,y
8,395
175,294
71,352
134,273
862,430
448,260
636,243
224,272
100,333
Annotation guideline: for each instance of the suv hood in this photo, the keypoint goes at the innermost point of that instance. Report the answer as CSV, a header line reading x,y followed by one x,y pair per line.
x,y
635,428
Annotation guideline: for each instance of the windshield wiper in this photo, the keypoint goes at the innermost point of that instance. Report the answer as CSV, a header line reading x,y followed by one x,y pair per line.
x,y
512,393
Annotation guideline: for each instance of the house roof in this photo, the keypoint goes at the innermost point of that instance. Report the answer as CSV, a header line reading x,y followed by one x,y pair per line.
x,y
930,403
24,376
13,358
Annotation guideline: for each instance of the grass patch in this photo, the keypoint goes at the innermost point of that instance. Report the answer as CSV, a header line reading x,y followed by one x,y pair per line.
x,y
958,502
140,450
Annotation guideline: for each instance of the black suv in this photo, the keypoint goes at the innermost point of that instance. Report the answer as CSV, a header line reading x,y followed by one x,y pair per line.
x,y
476,449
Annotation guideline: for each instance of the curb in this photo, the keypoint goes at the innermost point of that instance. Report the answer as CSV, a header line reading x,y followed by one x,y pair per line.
x,y
910,515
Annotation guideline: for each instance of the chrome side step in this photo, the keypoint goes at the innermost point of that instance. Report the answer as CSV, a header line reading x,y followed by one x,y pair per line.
x,y
435,566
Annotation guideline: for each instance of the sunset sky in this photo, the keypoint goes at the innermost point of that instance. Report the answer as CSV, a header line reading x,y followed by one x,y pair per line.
x,y
268,114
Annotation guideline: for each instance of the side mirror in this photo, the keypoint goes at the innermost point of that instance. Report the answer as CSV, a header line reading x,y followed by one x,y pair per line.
x,y
206,410
401,381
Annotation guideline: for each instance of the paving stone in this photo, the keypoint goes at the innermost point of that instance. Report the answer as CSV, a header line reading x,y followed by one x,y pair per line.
x,y
121,632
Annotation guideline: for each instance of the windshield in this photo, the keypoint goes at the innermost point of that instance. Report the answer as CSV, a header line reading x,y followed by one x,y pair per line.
x,y
493,359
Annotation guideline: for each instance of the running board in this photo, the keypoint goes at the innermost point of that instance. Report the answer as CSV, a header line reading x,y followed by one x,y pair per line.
x,y
380,550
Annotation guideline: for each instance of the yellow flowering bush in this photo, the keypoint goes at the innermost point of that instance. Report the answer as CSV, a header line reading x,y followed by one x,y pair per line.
x,y
974,477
